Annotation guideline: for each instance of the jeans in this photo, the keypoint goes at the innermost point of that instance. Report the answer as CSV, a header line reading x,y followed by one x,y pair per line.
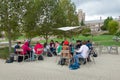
x,y
77,56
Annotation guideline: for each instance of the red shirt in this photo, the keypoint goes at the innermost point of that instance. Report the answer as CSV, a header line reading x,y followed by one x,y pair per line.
x,y
38,45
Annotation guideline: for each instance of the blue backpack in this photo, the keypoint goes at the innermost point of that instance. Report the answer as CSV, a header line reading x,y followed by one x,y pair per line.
x,y
74,65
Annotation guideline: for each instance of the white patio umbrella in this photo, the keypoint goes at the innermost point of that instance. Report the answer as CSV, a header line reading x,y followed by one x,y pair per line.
x,y
68,28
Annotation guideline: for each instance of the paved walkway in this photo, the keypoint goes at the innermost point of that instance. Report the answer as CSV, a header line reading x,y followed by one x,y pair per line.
x,y
107,67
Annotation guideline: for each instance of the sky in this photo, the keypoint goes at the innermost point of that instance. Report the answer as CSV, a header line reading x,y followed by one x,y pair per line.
x,y
94,9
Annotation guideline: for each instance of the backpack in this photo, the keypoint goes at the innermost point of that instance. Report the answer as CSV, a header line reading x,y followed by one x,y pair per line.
x,y
62,61
10,60
40,57
95,55
74,65
49,54
55,53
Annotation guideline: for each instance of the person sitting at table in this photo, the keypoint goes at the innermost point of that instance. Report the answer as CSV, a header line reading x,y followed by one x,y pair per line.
x,y
26,48
78,44
11,57
66,47
37,46
59,48
17,46
52,46
82,53
35,50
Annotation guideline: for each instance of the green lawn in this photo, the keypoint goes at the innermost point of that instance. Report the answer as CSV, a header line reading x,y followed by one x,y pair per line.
x,y
105,40
4,53
100,39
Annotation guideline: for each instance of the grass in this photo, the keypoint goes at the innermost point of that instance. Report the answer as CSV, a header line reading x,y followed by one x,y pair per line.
x,y
105,40
4,53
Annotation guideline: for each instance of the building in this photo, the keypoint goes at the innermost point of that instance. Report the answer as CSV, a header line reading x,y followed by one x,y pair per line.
x,y
81,16
95,25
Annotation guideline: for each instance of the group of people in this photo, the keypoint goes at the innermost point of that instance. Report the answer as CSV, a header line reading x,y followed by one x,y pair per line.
x,y
78,50
27,50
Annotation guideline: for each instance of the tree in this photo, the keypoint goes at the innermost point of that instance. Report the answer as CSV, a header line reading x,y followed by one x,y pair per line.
x,y
55,14
9,18
86,32
118,32
65,15
105,25
113,26
46,22
31,18
82,23
69,12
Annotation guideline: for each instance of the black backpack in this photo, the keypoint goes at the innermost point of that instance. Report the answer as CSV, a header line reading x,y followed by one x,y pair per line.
x,y
95,55
10,60
49,54
62,61
40,57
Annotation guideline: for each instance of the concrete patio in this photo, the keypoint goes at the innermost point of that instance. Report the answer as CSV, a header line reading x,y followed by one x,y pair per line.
x,y
107,67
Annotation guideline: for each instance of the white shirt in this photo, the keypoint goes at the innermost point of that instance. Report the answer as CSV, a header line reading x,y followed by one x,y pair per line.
x,y
84,50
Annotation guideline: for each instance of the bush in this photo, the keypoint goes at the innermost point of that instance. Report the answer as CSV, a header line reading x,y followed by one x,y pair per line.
x,y
4,53
86,32
0,35
106,33
86,35
117,33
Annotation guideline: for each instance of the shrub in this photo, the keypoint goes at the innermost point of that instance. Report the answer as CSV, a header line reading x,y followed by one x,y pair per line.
x,y
86,35
106,33
4,52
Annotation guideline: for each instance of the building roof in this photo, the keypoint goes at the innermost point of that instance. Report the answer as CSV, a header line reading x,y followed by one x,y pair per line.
x,y
98,21
94,21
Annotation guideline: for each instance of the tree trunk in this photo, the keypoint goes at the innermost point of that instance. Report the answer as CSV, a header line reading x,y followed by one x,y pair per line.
x,y
46,38
10,43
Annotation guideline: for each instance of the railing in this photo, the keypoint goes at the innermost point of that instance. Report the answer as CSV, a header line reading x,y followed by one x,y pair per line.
x,y
107,49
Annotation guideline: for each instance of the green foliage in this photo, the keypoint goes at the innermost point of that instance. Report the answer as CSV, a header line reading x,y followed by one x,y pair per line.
x,y
4,53
10,18
86,35
9,12
30,18
0,34
113,26
69,13
58,13
86,32
105,26
82,23
106,33
64,15
117,33
36,17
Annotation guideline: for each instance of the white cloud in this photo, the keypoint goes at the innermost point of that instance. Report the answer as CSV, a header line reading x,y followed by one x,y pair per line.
x,y
96,8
